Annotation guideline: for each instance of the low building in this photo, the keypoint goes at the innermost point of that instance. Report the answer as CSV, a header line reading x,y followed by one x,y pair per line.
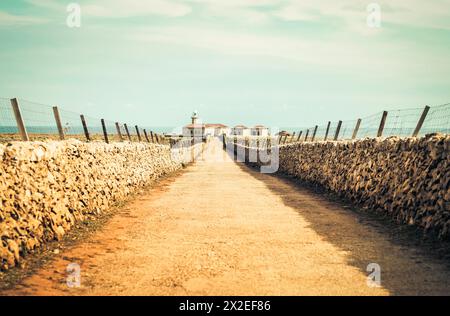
x,y
198,129
240,130
216,129
283,133
259,130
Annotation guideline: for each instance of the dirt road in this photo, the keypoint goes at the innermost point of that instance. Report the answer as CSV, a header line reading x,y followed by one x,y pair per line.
x,y
223,229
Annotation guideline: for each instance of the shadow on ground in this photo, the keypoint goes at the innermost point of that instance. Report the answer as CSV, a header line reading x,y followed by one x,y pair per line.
x,y
411,264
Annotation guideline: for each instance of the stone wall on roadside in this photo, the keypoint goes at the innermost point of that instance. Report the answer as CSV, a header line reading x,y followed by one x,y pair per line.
x,y
406,178
46,187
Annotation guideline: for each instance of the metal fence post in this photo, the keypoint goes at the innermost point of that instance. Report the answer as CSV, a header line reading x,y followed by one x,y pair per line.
x,y
421,120
105,133
355,131
58,122
85,128
338,129
299,135
383,121
19,120
306,136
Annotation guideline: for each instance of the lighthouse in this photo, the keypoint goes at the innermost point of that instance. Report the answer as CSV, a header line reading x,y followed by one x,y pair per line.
x,y
194,117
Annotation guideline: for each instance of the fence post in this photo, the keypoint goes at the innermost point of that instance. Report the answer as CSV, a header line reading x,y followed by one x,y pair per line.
x,y
421,120
105,133
151,135
119,132
85,129
128,132
292,138
306,136
146,136
279,139
19,120
58,122
355,131
137,132
284,140
338,129
314,134
299,135
328,130
383,121
157,138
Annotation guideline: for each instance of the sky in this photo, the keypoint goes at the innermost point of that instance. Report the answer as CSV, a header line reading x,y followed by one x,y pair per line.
x,y
272,62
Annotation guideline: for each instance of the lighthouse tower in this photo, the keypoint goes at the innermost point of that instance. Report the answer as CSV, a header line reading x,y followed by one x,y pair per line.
x,y
194,117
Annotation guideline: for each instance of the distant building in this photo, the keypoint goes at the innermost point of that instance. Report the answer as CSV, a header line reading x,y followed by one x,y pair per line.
x,y
240,130
198,129
259,130
284,133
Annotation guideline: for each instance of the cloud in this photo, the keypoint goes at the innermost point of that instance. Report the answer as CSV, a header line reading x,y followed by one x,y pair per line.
x,y
121,8
130,8
417,13
48,4
7,19
254,44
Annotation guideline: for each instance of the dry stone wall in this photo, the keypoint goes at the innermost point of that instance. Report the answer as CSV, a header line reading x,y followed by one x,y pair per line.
x,y
407,178
46,187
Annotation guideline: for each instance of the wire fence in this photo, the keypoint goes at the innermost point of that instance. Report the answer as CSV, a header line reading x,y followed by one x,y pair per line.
x,y
40,122
402,123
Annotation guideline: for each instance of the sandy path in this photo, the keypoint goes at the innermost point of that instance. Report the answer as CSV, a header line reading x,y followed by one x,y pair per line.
x,y
223,229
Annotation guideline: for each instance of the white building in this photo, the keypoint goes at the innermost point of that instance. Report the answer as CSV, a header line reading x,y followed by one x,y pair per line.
x,y
198,129
259,130
240,130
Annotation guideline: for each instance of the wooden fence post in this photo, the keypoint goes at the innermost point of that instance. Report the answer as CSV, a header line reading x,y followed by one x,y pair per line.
x,y
137,132
292,138
327,131
146,136
19,120
119,132
151,135
127,131
157,138
314,134
421,120
284,140
355,131
58,122
338,129
279,139
85,128
299,135
306,136
383,121
105,133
